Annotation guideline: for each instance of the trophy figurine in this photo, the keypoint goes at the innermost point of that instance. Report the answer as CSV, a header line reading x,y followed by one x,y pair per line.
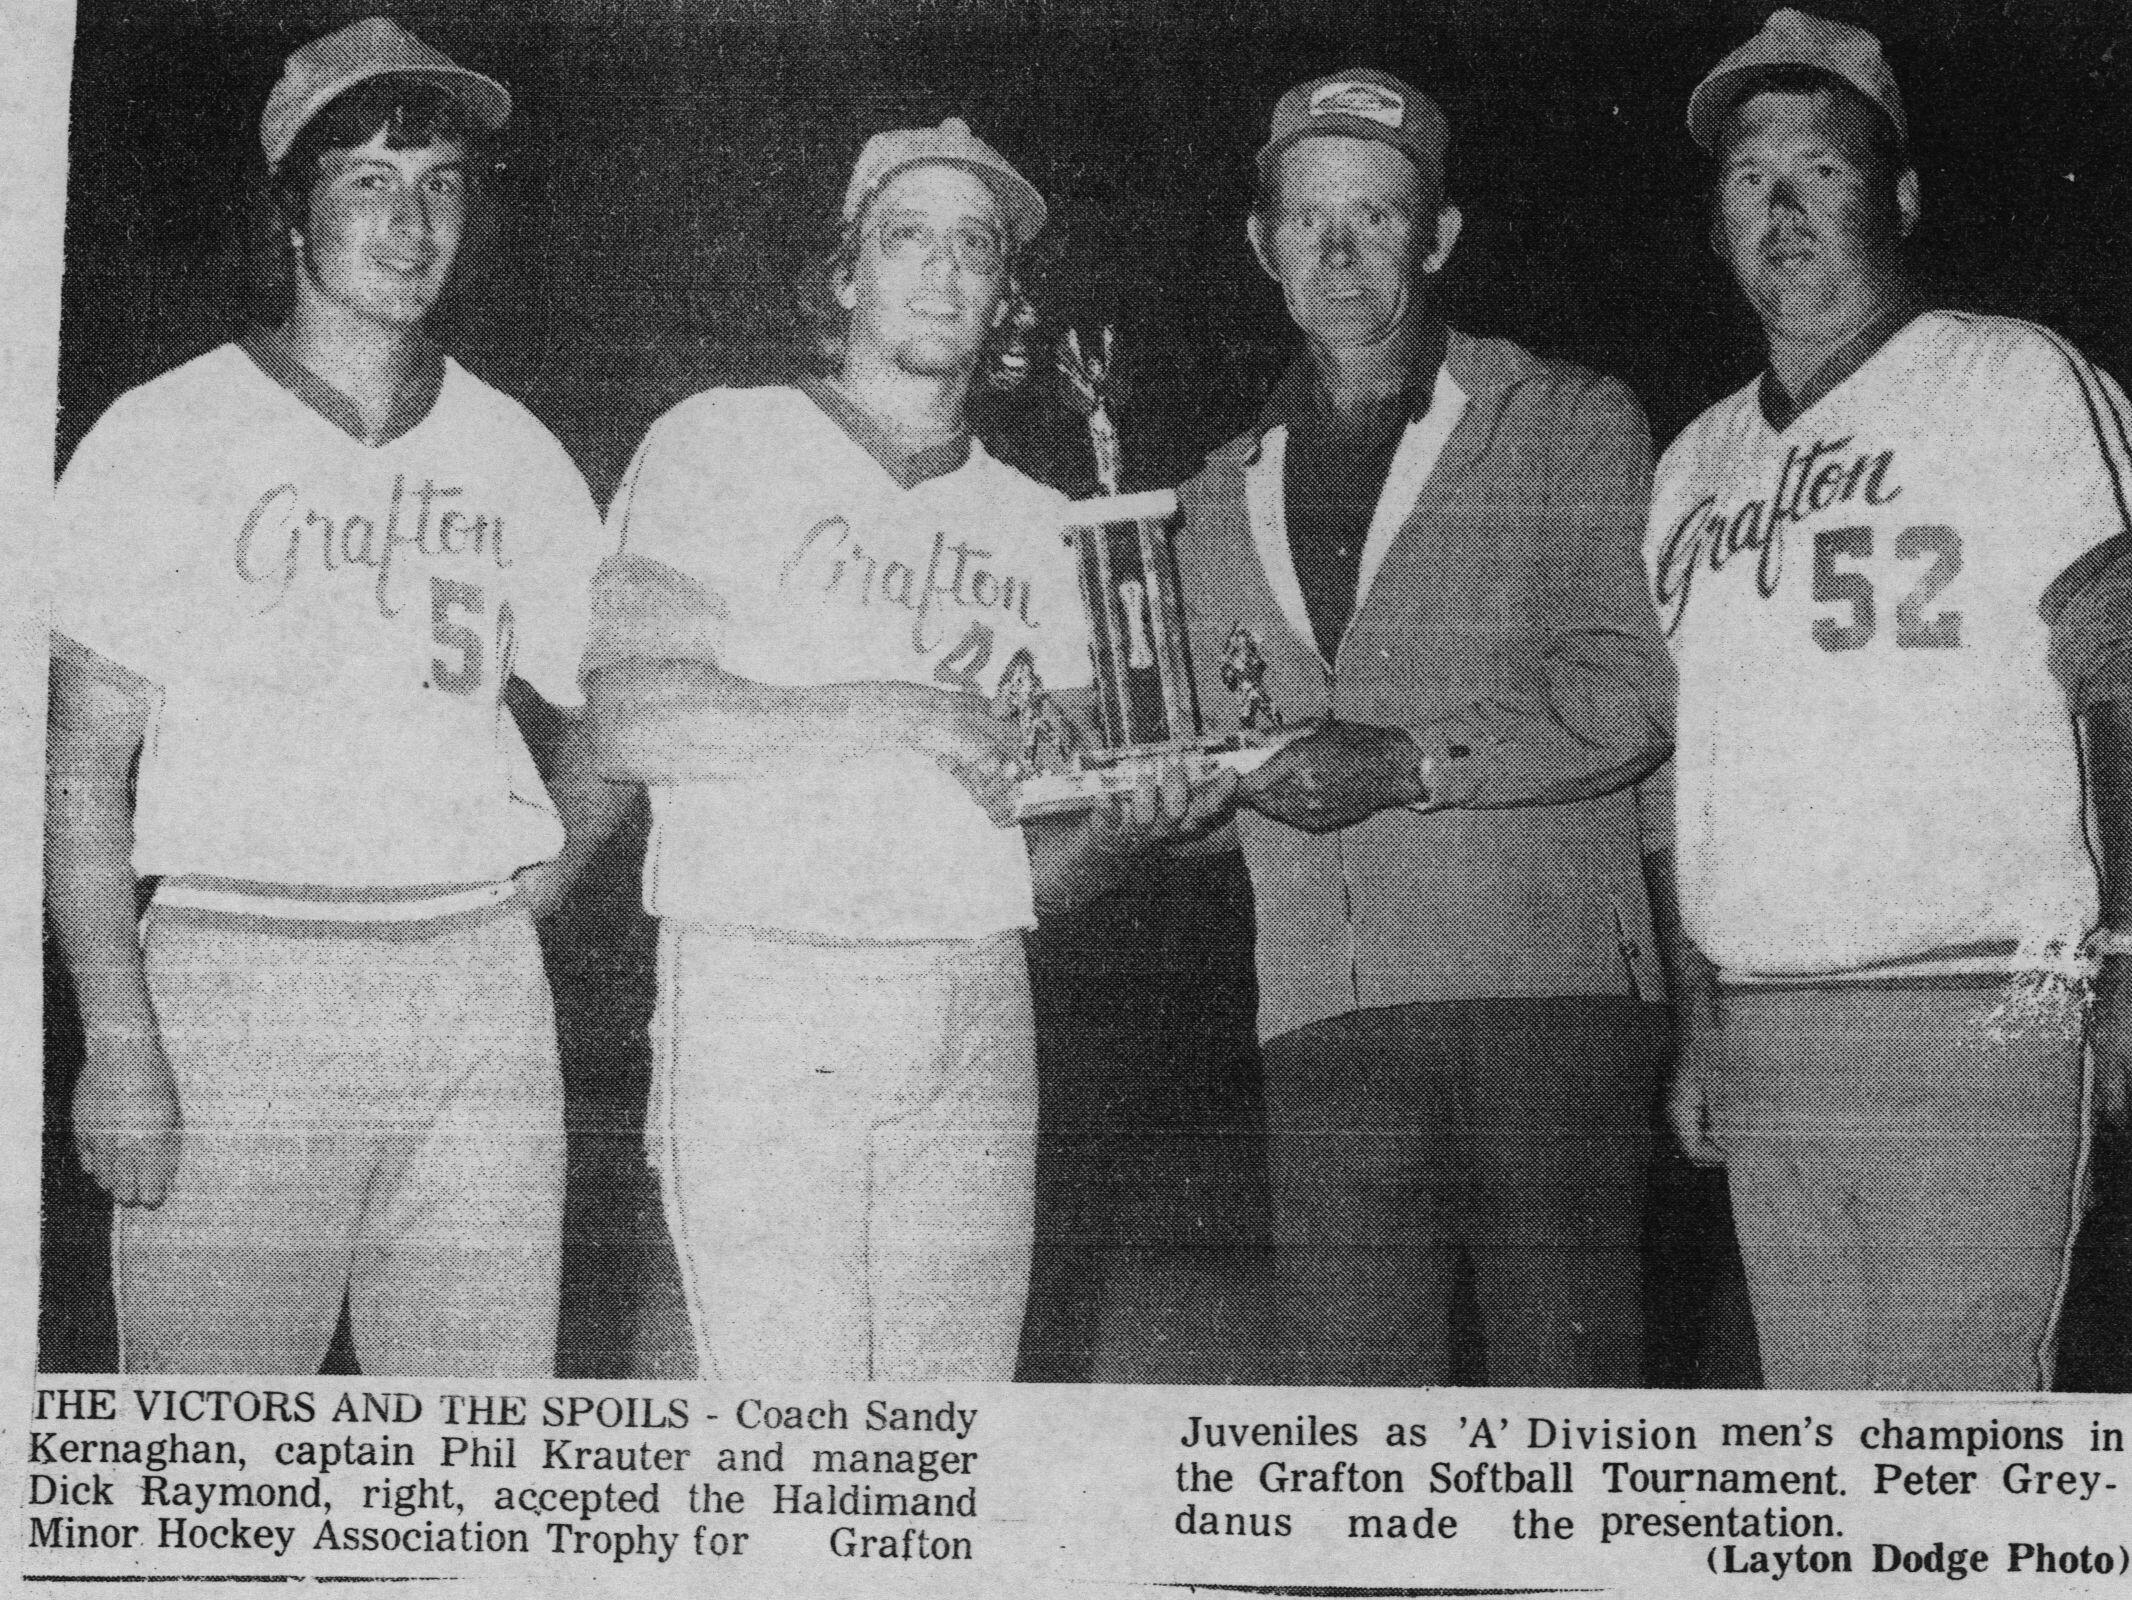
x,y
1148,702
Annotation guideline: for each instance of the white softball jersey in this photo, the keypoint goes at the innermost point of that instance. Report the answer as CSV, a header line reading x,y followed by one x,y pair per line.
x,y
823,568
1876,768
330,624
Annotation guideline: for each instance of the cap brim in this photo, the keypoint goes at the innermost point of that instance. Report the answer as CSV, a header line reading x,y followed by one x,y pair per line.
x,y
1019,203
488,100
1713,99
1345,128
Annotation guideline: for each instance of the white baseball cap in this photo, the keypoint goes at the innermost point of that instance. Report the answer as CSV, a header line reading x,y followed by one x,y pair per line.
x,y
376,47
1796,39
887,154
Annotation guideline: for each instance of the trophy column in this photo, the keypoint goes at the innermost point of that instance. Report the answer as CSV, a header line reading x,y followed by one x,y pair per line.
x,y
1149,703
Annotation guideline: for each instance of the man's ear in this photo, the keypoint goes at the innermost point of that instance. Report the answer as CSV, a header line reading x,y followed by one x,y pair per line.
x,y
1450,222
1256,233
1909,201
846,291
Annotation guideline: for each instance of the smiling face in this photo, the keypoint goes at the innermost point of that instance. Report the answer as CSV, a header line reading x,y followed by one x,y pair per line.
x,y
1354,230
384,228
929,280
1806,218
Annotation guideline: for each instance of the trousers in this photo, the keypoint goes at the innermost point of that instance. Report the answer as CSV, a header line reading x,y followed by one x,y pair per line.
x,y
1906,1176
375,1116
1514,1133
847,1137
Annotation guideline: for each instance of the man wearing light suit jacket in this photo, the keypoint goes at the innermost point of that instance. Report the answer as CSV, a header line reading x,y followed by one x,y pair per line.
x,y
1428,550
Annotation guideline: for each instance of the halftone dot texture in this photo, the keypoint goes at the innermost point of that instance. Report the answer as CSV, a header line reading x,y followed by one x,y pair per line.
x,y
848,1138
1361,103
376,47
373,1117
952,143
1508,619
1515,1132
1904,1172
1797,39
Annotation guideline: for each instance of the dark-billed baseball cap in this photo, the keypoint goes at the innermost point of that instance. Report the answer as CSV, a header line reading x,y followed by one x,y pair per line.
x,y
887,154
316,73
1362,103
1796,39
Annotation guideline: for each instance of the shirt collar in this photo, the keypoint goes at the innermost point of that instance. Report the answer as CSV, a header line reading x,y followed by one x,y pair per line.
x,y
908,467
414,399
1297,397
1780,410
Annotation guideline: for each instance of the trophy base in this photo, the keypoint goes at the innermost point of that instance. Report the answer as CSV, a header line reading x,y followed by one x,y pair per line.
x,y
1094,776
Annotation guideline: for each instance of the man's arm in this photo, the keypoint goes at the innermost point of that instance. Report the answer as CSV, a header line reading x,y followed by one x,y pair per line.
x,y
2078,508
591,808
1691,977
2108,725
1692,980
126,1115
2088,608
1605,719
671,721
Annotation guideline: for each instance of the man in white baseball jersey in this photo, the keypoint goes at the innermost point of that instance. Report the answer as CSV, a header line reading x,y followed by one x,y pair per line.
x,y
815,589
1891,569
291,580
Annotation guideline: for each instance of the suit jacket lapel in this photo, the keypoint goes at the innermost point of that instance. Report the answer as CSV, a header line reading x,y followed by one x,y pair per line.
x,y
1438,440
1414,465
1265,494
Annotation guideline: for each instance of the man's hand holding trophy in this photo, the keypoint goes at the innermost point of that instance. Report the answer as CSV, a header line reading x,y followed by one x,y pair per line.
x,y
1152,735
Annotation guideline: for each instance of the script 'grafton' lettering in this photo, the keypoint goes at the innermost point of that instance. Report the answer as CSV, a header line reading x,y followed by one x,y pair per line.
x,y
830,559
1813,478
270,545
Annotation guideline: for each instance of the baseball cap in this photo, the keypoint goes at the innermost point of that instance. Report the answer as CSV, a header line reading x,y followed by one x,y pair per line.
x,y
1795,39
372,48
1362,104
887,154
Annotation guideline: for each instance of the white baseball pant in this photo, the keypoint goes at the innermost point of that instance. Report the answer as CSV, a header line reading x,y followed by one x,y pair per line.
x,y
848,1138
375,1115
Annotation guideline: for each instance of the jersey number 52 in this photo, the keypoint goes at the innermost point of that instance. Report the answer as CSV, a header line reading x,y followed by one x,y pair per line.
x,y
1913,629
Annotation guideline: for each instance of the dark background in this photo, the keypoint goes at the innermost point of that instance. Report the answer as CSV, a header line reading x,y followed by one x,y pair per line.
x,y
667,168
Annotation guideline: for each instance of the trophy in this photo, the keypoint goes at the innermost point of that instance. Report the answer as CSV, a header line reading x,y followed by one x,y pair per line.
x,y
1147,699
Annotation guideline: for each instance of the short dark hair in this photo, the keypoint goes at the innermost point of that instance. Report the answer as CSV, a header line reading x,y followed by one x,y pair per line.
x,y
413,113
1004,362
1884,143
